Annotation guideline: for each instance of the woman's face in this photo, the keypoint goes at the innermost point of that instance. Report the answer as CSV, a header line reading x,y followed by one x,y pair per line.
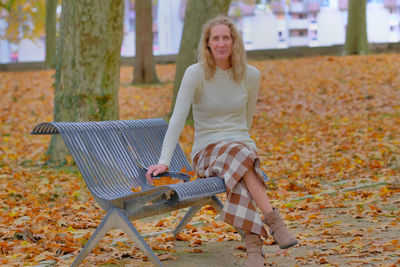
x,y
220,43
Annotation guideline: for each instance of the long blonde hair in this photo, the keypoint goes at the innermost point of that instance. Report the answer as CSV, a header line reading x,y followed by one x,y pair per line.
x,y
238,55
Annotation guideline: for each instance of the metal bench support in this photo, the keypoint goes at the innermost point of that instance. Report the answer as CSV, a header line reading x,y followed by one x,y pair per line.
x,y
116,219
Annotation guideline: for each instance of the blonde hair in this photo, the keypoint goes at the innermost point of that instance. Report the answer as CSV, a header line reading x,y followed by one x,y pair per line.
x,y
238,55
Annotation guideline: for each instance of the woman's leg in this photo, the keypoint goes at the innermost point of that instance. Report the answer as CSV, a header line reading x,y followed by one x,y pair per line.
x,y
255,255
271,216
257,191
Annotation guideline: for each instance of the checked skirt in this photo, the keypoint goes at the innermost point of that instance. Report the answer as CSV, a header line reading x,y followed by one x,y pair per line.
x,y
230,161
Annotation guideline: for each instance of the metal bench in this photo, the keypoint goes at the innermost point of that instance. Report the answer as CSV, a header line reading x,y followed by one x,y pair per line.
x,y
111,156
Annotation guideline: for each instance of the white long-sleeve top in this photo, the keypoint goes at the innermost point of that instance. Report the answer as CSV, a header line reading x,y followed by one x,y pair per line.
x,y
223,110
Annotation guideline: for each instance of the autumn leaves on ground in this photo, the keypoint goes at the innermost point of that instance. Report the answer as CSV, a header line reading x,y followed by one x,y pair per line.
x,y
322,124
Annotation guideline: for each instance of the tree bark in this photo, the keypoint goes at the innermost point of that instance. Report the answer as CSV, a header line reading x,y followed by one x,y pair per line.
x,y
88,65
51,34
197,13
356,32
144,68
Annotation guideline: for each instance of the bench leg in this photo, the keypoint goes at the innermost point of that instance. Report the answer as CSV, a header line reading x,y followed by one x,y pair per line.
x,y
186,219
105,226
116,218
217,204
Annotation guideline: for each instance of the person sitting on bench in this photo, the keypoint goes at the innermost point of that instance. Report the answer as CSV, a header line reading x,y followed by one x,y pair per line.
x,y
222,90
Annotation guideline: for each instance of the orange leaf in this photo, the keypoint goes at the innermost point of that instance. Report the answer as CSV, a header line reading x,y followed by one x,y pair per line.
x,y
375,208
160,223
192,173
241,248
136,189
183,237
197,242
322,261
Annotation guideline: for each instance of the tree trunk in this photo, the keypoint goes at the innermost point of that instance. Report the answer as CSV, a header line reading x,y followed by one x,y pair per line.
x,y
197,13
144,68
88,65
51,34
356,32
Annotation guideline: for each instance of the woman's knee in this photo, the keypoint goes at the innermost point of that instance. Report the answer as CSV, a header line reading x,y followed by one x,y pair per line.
x,y
250,174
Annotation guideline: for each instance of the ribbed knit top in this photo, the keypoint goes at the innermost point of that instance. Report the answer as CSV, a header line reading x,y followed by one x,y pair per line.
x,y
223,110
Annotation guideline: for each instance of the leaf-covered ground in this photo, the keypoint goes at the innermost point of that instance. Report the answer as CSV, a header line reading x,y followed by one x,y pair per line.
x,y
326,124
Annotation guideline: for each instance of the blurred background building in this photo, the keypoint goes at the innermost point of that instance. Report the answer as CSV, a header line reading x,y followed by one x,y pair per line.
x,y
264,24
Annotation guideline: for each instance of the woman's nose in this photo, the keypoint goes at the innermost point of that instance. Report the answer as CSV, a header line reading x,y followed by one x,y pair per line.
x,y
221,42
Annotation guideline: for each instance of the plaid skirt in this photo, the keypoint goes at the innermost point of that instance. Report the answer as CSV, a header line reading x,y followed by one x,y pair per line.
x,y
231,161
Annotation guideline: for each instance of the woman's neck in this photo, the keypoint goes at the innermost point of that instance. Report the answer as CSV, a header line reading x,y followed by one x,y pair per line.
x,y
224,65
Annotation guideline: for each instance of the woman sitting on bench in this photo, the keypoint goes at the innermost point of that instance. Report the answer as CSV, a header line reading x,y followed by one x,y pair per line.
x,y
222,90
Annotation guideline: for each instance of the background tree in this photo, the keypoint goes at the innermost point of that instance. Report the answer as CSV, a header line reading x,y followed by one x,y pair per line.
x,y
356,31
144,68
197,13
51,32
24,19
88,65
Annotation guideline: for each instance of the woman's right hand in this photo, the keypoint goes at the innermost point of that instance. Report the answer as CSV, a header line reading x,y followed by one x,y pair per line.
x,y
155,170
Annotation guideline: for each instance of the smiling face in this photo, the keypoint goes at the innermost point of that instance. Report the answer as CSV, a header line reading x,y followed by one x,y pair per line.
x,y
220,43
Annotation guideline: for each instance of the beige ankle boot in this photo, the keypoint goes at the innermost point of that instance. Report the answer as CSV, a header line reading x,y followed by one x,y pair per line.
x,y
278,230
255,256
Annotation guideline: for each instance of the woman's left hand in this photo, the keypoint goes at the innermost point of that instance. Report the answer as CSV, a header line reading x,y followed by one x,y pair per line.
x,y
155,170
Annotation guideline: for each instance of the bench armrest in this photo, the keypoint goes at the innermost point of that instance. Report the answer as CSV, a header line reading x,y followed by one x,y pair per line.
x,y
183,176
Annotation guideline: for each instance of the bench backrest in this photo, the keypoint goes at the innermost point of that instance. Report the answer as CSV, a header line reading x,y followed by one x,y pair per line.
x,y
108,153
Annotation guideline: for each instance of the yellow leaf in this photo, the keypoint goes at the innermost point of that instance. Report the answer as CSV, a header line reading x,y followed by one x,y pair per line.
x,y
327,225
384,190
276,148
312,216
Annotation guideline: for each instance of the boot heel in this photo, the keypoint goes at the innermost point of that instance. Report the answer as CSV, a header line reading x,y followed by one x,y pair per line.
x,y
278,230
